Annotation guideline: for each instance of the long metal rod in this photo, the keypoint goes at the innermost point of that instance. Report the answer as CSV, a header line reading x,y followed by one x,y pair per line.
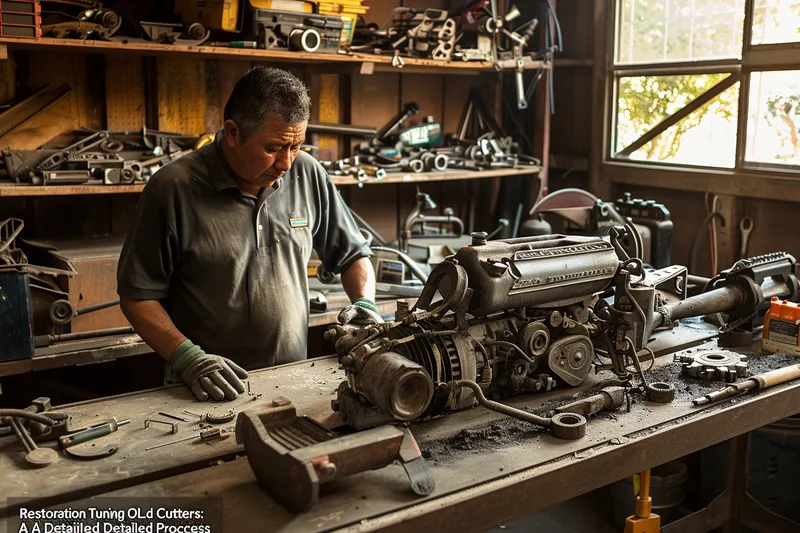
x,y
502,408
673,119
41,341
342,129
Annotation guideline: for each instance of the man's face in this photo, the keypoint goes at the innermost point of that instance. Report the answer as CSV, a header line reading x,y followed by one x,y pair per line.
x,y
267,153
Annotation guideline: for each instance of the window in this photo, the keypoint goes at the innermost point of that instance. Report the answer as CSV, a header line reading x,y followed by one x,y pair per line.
x,y
773,124
776,21
678,71
679,30
706,136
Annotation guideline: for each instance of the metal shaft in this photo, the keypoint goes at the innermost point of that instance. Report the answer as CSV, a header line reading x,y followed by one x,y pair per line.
x,y
92,432
205,434
762,381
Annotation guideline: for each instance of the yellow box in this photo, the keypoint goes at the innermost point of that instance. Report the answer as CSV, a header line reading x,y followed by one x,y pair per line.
x,y
213,14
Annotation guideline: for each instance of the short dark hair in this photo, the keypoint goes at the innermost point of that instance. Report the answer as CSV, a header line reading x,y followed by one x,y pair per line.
x,y
264,93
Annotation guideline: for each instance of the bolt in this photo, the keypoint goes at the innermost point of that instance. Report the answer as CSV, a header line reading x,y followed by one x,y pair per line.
x,y
479,238
327,469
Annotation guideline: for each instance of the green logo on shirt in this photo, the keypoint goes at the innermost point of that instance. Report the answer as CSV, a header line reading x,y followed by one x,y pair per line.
x,y
299,222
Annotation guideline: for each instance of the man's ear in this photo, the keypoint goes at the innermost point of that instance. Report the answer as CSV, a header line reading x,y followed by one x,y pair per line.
x,y
233,135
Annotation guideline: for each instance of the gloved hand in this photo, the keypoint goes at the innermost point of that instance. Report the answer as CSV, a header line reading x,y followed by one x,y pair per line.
x,y
362,312
207,375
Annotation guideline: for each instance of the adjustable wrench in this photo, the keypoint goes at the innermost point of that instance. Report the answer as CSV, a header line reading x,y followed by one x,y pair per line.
x,y
745,227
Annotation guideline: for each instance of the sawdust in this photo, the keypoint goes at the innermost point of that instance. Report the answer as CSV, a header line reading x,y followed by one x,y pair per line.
x,y
509,432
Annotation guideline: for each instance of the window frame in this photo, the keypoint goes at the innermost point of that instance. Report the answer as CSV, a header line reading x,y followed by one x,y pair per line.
x,y
746,178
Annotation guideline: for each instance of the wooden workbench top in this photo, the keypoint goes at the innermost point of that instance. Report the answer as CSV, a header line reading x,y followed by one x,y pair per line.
x,y
309,384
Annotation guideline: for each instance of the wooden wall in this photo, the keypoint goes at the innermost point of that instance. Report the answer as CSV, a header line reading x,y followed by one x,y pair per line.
x,y
187,95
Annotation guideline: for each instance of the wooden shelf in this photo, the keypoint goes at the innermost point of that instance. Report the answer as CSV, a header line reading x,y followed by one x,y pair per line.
x,y
146,48
66,190
448,175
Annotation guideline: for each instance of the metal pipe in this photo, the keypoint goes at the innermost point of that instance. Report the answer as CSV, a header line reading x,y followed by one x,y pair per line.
x,y
502,408
715,301
96,307
342,129
41,341
22,413
410,263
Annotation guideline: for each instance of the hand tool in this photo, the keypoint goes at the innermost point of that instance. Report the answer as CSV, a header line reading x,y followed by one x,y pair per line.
x,y
292,456
205,436
173,425
761,381
607,399
176,417
745,227
36,456
92,432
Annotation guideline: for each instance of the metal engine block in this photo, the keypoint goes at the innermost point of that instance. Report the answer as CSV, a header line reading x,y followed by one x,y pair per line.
x,y
500,318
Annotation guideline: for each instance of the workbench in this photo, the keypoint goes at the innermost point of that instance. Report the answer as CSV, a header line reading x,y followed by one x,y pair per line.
x,y
104,349
488,468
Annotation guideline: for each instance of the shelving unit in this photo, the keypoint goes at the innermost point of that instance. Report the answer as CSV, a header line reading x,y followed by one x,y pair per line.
x,y
156,49
120,86
394,178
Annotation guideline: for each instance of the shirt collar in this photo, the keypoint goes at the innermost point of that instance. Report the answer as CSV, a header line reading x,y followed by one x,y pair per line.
x,y
221,175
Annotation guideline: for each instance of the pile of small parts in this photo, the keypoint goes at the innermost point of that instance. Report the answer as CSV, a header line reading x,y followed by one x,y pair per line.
x,y
96,158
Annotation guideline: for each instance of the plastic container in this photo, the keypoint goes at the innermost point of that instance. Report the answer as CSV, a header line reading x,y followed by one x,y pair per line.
x,y
781,327
667,483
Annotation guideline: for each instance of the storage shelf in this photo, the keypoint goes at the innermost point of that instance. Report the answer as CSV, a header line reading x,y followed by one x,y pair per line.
x,y
7,190
146,48
447,175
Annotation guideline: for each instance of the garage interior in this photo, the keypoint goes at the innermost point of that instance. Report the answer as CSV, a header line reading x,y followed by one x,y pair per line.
x,y
581,311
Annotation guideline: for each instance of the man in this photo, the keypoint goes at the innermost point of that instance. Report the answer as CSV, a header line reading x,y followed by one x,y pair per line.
x,y
213,271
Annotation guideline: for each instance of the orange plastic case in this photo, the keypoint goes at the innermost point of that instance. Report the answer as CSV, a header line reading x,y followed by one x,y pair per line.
x,y
781,325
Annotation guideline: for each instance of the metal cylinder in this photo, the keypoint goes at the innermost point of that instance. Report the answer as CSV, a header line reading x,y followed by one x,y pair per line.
x,y
396,385
308,40
716,301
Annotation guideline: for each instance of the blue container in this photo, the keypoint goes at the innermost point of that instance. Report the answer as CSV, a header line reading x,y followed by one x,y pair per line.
x,y
16,331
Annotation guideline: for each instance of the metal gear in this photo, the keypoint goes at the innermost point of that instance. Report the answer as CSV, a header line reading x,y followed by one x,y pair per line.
x,y
660,392
214,417
718,365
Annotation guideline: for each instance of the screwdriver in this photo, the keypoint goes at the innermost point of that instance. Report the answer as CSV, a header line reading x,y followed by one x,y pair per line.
x,y
204,435
92,432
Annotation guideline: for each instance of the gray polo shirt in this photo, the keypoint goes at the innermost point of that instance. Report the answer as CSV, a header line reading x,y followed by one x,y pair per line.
x,y
230,268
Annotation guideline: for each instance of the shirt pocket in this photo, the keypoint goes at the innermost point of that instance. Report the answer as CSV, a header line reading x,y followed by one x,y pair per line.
x,y
294,233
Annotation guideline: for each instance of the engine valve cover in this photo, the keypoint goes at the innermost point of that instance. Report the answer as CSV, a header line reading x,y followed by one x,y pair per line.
x,y
717,365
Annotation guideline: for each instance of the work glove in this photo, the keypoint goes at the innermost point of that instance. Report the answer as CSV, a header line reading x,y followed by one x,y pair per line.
x,y
362,312
206,374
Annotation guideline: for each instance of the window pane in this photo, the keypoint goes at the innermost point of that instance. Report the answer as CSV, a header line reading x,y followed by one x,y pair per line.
x,y
773,124
679,30
776,21
706,137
